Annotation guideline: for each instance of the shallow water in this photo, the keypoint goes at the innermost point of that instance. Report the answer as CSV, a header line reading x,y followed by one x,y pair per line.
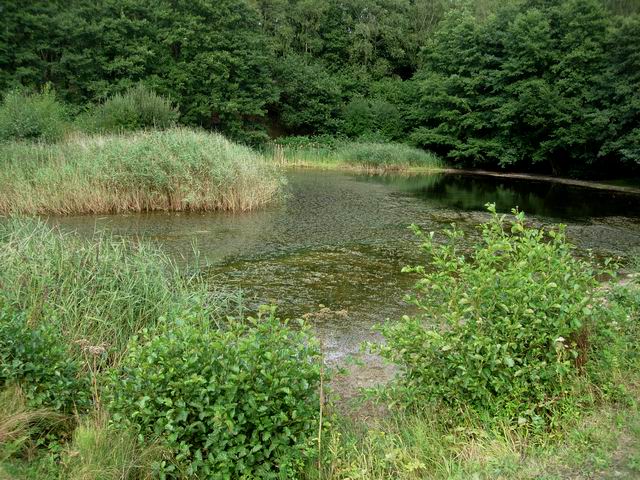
x,y
333,250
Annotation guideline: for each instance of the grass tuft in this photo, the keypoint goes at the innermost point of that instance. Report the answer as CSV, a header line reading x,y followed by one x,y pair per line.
x,y
101,452
99,291
368,156
172,170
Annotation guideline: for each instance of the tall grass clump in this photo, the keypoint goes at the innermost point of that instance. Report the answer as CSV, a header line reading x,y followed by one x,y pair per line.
x,y
18,420
386,155
135,109
95,292
177,169
100,452
31,116
331,152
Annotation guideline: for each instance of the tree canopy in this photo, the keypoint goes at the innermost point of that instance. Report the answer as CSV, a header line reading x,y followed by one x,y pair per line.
x,y
546,85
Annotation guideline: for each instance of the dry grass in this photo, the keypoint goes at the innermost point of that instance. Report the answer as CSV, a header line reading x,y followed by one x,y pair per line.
x,y
173,170
17,420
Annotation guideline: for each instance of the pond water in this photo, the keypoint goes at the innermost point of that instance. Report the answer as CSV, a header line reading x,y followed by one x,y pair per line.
x,y
333,250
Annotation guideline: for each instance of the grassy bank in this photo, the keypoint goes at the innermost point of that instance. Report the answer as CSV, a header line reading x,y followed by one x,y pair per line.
x,y
422,446
115,364
97,292
352,155
178,169
98,336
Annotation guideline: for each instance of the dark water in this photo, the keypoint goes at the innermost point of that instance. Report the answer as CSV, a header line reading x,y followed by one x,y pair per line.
x,y
333,250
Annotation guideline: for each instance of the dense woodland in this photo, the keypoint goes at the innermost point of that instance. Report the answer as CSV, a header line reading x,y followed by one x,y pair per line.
x,y
535,85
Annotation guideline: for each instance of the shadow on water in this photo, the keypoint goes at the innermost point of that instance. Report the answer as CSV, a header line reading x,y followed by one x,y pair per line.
x,y
333,251
470,192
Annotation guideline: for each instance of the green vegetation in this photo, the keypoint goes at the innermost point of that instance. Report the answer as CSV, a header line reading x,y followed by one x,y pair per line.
x,y
520,359
545,86
31,116
96,293
100,451
421,446
91,331
507,330
137,108
37,359
487,386
521,366
330,152
243,400
176,169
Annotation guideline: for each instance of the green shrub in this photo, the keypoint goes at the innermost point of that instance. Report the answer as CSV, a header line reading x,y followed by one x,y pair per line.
x,y
506,329
37,359
241,402
31,116
134,109
372,118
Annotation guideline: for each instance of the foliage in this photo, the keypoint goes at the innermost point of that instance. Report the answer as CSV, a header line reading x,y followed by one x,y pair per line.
x,y
533,86
421,445
241,401
37,359
385,155
99,291
135,109
525,84
31,116
506,328
18,421
369,118
175,169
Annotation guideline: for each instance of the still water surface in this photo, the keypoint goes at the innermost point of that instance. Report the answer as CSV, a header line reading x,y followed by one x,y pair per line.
x,y
333,250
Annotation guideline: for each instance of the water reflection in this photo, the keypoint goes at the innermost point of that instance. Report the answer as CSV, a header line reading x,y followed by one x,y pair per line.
x,y
536,198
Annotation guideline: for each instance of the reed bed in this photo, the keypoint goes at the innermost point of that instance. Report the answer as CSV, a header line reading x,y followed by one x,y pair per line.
x,y
173,170
99,291
353,155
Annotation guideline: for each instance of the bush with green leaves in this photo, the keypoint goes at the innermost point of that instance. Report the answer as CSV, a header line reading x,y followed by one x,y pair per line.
x,y
137,108
506,328
32,116
236,402
36,358
372,118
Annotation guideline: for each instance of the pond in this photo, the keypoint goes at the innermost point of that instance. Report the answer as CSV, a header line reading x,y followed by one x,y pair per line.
x,y
333,250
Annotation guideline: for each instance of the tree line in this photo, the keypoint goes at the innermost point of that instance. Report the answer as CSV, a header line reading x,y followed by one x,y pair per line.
x,y
537,85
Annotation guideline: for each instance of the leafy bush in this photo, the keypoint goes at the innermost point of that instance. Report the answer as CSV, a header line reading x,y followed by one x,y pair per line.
x,y
37,360
31,116
230,403
367,118
506,329
134,109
